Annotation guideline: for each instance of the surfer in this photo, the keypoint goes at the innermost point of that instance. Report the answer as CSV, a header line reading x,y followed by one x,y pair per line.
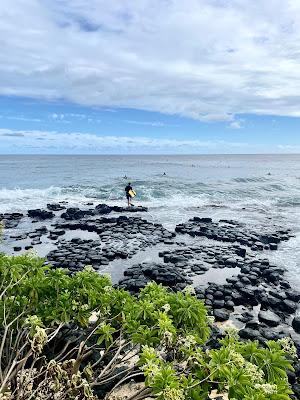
x,y
128,189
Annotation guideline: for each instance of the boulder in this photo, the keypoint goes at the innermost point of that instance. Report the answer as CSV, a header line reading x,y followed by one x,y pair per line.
x,y
103,209
288,306
252,324
296,323
55,207
229,305
269,334
277,293
296,390
221,314
218,303
40,214
293,295
204,220
247,317
274,302
269,318
252,334
218,295
241,251
74,213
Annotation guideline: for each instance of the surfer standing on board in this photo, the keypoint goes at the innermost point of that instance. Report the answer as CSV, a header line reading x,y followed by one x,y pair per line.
x,y
129,193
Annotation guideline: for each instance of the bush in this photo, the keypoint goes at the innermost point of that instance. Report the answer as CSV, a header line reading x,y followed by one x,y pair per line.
x,y
78,337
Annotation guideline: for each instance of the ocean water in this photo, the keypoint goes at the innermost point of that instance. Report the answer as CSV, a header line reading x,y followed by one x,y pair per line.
x,y
260,190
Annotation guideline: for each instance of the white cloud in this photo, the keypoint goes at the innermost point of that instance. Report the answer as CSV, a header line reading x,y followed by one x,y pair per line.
x,y
235,125
57,116
60,118
285,148
76,142
25,119
111,110
156,124
205,59
76,115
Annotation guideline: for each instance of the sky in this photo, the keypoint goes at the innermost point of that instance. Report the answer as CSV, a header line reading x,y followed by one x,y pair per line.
x,y
149,76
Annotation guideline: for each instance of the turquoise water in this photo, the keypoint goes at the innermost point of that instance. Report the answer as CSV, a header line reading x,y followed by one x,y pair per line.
x,y
261,190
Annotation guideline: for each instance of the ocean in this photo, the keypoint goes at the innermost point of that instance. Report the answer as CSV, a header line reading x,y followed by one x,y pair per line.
x,y
260,190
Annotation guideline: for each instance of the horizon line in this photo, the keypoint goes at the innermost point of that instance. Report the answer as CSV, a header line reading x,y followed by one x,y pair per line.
x,y
149,154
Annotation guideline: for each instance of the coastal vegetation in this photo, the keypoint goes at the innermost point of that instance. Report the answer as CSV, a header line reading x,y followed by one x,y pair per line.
x,y
78,337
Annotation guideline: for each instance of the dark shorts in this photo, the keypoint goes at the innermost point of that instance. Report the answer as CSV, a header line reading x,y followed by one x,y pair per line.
x,y
128,196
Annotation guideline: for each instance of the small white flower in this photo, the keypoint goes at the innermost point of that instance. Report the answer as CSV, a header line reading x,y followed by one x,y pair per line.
x,y
189,289
89,268
238,359
267,388
253,372
166,307
173,394
288,346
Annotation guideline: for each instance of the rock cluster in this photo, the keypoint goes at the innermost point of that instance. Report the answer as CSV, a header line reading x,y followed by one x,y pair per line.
x,y
199,259
253,283
35,237
55,207
119,237
11,220
75,213
259,285
232,231
40,214
137,276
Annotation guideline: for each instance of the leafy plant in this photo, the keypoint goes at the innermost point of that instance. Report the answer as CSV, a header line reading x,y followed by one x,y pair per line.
x,y
78,337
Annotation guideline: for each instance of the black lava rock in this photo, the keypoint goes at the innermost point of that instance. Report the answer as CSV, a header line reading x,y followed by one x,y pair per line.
x,y
221,314
296,323
40,214
269,318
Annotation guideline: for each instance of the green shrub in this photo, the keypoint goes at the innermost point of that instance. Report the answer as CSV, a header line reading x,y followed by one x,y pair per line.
x,y
88,338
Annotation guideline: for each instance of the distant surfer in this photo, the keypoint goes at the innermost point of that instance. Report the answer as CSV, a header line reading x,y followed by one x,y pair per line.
x,y
130,193
164,174
124,177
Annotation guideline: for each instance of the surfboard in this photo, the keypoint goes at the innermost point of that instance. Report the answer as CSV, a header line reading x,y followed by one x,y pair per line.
x,y
132,193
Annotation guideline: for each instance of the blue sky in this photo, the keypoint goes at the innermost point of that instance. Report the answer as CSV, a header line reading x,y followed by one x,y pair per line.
x,y
159,76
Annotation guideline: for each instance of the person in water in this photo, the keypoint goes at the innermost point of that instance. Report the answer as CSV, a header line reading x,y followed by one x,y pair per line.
x,y
127,190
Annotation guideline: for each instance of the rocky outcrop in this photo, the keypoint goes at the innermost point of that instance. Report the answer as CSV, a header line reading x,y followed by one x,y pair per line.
x,y
40,214
137,276
11,220
232,231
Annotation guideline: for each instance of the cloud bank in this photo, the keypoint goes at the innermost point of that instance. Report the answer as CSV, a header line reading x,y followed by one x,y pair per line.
x,y
204,59
47,142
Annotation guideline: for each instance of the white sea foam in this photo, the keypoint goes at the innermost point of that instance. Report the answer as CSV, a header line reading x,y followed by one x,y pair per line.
x,y
23,199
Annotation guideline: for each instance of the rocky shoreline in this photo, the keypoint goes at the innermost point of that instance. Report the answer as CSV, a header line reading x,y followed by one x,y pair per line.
x,y
254,294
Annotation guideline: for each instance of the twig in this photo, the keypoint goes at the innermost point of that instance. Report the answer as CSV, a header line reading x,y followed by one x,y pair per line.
x,y
122,381
140,395
10,286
